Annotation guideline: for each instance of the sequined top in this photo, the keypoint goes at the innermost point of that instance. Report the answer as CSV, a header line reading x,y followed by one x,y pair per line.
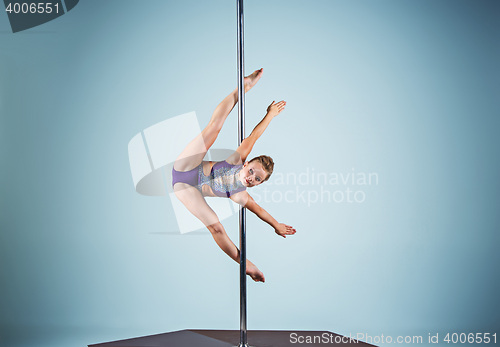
x,y
224,179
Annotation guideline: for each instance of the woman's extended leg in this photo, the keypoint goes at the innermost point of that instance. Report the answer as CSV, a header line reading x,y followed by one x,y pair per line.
x,y
194,152
196,204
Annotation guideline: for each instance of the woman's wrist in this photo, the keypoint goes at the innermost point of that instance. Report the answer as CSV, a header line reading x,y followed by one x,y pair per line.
x,y
274,224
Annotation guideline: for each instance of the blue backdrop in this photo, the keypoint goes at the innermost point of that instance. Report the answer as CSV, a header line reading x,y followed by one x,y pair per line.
x,y
394,102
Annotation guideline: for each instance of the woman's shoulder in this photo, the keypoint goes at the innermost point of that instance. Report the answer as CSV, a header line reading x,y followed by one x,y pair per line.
x,y
241,197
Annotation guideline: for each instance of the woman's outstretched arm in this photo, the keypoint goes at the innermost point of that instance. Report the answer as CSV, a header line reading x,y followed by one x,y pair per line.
x,y
249,203
246,146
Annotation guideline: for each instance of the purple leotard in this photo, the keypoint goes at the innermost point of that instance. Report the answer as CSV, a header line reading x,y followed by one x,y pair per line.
x,y
223,178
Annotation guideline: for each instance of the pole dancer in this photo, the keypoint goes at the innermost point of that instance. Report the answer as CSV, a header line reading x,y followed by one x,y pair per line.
x,y
193,178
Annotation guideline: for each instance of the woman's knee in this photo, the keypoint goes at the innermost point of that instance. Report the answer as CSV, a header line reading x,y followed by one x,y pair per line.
x,y
216,228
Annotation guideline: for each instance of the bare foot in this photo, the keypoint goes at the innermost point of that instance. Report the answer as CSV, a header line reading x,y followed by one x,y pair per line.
x,y
255,273
252,79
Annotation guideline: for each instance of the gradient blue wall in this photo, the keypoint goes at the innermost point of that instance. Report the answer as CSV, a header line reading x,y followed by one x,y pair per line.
x,y
404,89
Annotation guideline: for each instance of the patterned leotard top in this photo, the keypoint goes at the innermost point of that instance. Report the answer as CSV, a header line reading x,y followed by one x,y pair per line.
x,y
223,179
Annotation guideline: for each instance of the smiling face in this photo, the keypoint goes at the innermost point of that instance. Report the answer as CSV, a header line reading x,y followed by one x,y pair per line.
x,y
252,174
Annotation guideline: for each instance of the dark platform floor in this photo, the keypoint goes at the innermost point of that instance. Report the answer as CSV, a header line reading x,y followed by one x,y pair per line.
x,y
228,338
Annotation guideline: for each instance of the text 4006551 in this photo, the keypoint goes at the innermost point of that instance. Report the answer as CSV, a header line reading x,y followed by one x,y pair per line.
x,y
24,7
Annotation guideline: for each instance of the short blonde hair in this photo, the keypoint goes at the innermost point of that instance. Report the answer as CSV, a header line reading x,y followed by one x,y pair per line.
x,y
267,163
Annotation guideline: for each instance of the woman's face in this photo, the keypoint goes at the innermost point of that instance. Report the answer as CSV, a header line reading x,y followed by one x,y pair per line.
x,y
252,174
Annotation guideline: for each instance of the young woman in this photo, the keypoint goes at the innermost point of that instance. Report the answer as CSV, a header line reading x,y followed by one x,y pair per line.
x,y
193,178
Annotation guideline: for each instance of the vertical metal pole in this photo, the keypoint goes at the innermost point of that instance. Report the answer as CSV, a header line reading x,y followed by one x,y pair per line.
x,y
241,136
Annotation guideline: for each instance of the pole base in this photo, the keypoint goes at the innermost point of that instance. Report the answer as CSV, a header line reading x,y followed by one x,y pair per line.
x,y
231,338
